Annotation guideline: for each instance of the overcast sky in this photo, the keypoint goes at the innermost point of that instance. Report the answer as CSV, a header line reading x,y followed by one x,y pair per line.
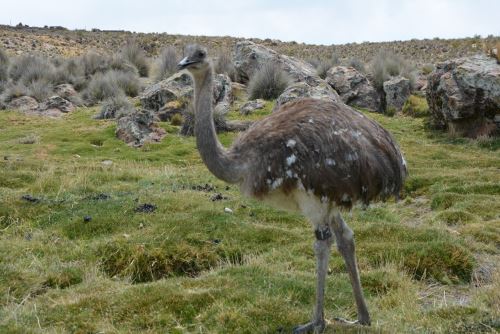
x,y
312,21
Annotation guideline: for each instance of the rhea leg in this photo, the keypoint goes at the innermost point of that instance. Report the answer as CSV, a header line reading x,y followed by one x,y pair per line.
x,y
345,244
322,247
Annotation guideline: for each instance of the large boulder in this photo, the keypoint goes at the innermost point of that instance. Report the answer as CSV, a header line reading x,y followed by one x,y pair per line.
x,y
249,57
56,103
397,90
23,103
138,128
354,88
172,95
303,90
464,95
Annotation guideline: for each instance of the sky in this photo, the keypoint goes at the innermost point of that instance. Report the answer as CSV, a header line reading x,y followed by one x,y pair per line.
x,y
313,21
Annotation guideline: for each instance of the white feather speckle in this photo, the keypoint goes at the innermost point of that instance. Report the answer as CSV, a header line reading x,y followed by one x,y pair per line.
x,y
289,173
324,199
330,162
291,160
268,168
345,198
276,183
291,143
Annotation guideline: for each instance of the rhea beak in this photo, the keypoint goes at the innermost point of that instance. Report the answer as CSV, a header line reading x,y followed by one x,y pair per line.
x,y
185,63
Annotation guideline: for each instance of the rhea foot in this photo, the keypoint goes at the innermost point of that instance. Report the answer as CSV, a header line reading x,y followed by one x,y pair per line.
x,y
363,322
311,327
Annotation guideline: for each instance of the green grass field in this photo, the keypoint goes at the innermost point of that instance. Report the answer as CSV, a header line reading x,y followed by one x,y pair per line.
x,y
429,263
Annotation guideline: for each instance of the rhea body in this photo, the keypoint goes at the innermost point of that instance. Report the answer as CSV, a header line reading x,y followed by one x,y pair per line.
x,y
312,156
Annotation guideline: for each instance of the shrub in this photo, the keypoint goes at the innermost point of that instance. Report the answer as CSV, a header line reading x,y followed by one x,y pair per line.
x,y
176,120
40,90
357,64
4,68
70,72
115,107
100,88
387,64
136,56
127,81
28,68
13,91
166,64
188,115
268,82
323,67
416,106
92,63
428,68
224,65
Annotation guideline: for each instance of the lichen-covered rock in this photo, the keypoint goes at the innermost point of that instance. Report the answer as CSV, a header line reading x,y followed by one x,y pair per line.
x,y
65,91
249,57
252,105
58,103
179,87
397,90
23,103
354,88
138,128
464,95
303,90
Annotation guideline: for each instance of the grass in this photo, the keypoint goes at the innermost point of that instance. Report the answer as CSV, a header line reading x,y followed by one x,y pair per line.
x,y
429,263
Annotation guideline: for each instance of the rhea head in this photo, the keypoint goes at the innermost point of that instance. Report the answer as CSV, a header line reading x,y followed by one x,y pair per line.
x,y
196,60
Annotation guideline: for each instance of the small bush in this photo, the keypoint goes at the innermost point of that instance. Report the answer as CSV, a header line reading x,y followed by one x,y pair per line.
x,y
115,107
29,139
188,116
428,68
13,91
40,90
416,107
387,64
268,82
4,68
93,63
71,72
133,53
127,81
176,120
29,68
323,67
224,65
101,87
166,64
358,65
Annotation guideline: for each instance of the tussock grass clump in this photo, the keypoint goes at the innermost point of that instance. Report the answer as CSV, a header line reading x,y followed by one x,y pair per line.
x,y
71,72
111,84
187,128
166,64
29,139
176,120
455,217
4,68
64,278
115,107
141,263
322,67
268,82
428,68
224,65
134,54
387,64
31,67
13,91
416,106
93,62
40,90
357,64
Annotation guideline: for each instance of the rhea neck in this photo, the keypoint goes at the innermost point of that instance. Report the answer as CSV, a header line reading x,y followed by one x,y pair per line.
x,y
218,161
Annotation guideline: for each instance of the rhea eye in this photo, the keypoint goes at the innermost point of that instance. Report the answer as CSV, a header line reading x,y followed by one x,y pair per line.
x,y
201,53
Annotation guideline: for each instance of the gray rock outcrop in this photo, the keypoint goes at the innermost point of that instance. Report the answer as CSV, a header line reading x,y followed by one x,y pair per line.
x,y
354,88
397,90
138,128
252,105
464,95
249,57
303,90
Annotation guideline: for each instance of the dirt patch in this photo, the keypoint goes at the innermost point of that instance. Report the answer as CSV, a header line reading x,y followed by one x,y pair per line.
x,y
146,208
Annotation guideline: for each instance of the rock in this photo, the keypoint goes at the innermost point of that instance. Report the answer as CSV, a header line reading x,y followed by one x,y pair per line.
x,y
173,88
239,91
179,89
303,90
146,208
65,91
138,128
249,57
87,219
232,126
107,163
354,88
397,91
23,103
252,105
56,102
464,95
228,210
30,198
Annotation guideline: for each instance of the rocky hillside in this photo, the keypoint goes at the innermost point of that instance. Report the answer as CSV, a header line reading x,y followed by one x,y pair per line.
x,y
60,41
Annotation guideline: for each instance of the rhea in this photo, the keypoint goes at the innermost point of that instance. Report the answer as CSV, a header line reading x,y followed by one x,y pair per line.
x,y
313,156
